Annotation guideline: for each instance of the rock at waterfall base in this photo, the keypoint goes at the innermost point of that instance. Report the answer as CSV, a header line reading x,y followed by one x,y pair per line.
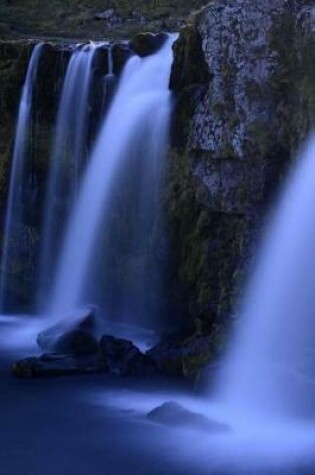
x,y
173,414
124,358
81,354
76,342
74,339
57,365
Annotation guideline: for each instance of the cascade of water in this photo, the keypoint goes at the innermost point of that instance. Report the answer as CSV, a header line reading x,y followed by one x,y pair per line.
x,y
136,128
271,365
67,158
13,233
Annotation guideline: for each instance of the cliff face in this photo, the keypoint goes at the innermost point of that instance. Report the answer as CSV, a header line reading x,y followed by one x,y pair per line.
x,y
244,78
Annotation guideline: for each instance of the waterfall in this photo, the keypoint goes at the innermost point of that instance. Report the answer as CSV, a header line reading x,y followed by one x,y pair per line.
x,y
14,235
270,368
135,131
67,159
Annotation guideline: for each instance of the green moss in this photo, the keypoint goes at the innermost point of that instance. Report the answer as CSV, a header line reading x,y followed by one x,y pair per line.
x,y
75,18
209,245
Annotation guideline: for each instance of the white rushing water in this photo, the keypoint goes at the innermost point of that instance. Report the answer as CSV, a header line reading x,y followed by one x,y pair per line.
x,y
69,151
270,368
140,111
13,233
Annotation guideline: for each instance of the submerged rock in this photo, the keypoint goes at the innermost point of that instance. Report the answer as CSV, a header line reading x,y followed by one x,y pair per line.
x,y
123,358
57,365
78,352
173,414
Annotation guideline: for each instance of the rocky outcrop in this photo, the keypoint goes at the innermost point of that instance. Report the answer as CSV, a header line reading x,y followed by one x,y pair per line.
x,y
243,78
54,365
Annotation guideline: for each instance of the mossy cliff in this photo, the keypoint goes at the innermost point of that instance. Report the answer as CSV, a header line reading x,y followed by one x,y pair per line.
x,y
243,79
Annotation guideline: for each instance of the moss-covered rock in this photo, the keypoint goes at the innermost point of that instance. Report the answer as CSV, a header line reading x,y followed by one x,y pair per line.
x,y
183,357
243,79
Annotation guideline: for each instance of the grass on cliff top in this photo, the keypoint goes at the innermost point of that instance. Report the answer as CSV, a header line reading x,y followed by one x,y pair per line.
x,y
75,18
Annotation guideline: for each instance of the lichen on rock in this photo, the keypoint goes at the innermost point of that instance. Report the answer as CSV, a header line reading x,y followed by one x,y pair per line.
x,y
244,104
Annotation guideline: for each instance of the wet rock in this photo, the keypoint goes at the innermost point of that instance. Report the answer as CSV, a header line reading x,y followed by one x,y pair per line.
x,y
121,53
173,414
77,352
145,44
84,323
76,342
182,358
123,358
57,365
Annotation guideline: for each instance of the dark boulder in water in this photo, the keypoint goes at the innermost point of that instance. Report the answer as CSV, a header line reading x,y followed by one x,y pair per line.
x,y
76,342
124,358
173,414
78,352
78,334
57,365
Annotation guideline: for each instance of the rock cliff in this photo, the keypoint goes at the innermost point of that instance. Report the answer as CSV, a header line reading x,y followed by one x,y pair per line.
x,y
244,81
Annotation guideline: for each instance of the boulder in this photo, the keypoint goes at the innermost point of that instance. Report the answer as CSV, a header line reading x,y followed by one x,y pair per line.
x,y
173,414
81,327
123,358
57,365
145,44
76,342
